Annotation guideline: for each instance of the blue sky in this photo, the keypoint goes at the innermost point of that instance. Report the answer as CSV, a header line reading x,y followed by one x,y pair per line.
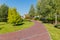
x,y
22,6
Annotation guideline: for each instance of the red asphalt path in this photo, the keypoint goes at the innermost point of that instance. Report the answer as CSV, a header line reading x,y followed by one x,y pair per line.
x,y
36,32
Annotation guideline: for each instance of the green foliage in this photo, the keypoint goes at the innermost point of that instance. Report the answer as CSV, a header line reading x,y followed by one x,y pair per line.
x,y
57,26
45,8
3,13
48,9
14,17
36,18
32,12
38,8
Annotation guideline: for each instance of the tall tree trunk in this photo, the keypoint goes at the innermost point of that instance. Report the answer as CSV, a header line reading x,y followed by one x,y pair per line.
x,y
55,18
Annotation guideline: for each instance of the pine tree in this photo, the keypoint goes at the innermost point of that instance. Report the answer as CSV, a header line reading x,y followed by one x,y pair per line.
x,y
32,12
14,17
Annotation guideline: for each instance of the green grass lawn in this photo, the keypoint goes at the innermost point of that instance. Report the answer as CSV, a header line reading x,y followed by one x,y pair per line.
x,y
54,32
5,27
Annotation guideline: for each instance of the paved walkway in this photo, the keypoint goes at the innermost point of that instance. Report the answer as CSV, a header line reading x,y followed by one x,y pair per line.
x,y
36,32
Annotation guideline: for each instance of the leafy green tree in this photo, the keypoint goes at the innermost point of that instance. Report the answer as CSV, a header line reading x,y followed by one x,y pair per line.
x,y
45,8
51,15
14,17
57,9
49,9
32,12
38,9
3,12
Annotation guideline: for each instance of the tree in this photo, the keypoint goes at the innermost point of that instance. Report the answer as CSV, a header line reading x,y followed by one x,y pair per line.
x,y
14,17
27,16
32,12
38,9
45,8
3,12
49,9
51,15
57,8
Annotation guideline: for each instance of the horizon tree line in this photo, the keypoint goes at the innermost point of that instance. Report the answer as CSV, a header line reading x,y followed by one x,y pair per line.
x,y
46,9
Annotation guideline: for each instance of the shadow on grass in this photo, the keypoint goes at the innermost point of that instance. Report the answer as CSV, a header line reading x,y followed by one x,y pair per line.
x,y
1,28
57,26
18,24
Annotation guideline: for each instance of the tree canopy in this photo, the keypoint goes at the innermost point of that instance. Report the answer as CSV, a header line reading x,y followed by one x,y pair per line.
x,y
14,17
3,12
32,11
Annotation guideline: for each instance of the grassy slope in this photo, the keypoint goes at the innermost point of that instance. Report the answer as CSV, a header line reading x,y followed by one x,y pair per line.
x,y
54,32
9,28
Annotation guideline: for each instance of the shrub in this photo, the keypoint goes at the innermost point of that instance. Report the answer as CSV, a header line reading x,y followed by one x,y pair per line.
x,y
44,20
59,19
47,20
57,26
27,16
13,17
36,18
50,20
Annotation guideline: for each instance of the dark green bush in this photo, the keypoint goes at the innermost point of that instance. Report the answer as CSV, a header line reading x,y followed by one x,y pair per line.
x,y
57,26
44,20
50,20
47,20
59,19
